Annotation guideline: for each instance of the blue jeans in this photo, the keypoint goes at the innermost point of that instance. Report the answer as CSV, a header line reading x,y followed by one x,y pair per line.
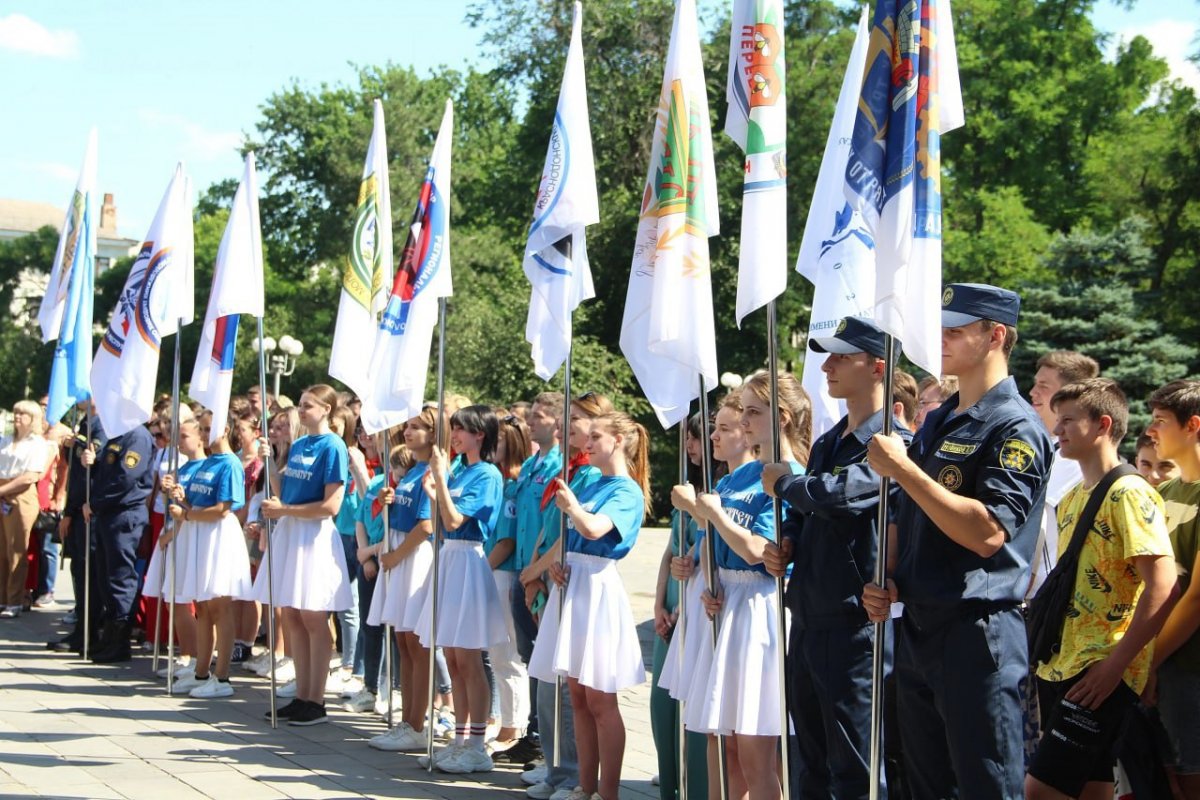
x,y
47,566
371,651
349,617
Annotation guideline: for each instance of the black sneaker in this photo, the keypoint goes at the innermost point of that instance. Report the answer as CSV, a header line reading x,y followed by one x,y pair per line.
x,y
241,653
526,749
309,714
284,712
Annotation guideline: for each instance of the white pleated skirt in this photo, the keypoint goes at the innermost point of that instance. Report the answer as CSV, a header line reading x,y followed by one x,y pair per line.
x,y
596,640
696,635
740,681
469,615
213,561
400,591
308,572
158,573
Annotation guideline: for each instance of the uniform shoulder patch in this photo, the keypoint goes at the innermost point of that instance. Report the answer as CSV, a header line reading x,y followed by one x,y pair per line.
x,y
1016,455
132,459
951,477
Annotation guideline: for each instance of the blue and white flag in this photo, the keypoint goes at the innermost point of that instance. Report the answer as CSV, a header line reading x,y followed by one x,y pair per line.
x,y
910,97
237,289
399,362
757,121
66,310
556,261
837,254
159,297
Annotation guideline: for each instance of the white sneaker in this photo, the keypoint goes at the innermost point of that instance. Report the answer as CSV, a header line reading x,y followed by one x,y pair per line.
x,y
573,794
256,663
212,689
351,687
468,759
540,791
361,701
381,706
440,755
182,666
402,738
532,777
283,664
287,690
186,684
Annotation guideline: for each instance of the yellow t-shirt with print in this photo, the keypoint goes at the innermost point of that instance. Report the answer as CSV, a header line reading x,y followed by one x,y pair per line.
x,y
1130,523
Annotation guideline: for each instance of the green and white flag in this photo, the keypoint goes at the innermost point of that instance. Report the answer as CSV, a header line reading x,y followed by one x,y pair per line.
x,y
368,272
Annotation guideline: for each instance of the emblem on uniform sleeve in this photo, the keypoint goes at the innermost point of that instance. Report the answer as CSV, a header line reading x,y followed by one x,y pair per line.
x,y
1016,456
132,459
951,477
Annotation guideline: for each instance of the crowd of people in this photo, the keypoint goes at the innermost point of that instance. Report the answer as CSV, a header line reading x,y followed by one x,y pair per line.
x,y
996,506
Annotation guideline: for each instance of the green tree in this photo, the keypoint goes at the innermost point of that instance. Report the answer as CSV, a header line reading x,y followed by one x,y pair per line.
x,y
24,360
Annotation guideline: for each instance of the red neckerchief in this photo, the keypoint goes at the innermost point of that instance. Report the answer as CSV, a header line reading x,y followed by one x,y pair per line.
x,y
578,460
374,466
376,506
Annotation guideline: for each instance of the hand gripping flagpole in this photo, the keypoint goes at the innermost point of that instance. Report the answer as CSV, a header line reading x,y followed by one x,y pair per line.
x,y
881,526
438,433
381,445
174,525
269,524
777,508
681,550
87,544
710,547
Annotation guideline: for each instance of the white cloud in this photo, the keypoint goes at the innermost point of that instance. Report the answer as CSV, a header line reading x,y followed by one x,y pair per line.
x,y
198,142
20,34
1172,40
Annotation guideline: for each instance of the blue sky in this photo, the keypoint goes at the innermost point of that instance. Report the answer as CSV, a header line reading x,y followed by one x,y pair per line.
x,y
165,81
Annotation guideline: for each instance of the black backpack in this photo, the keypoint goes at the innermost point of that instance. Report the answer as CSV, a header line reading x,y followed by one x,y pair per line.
x,y
1048,608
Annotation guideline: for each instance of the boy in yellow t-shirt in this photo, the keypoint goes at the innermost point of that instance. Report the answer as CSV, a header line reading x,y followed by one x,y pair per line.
x,y
1122,586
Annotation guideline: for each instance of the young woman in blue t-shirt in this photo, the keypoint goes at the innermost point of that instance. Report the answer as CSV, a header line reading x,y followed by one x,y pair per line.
x,y
216,566
404,582
595,643
469,617
309,563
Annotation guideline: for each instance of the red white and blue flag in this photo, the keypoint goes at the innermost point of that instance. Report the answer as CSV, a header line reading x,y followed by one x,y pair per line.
x,y
400,359
237,289
910,97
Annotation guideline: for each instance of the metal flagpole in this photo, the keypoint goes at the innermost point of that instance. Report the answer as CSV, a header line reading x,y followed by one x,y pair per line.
x,y
710,547
562,542
777,504
680,629
269,524
437,531
381,444
174,456
877,650
87,544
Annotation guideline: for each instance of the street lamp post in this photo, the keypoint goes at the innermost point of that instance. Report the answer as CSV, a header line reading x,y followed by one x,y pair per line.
x,y
283,364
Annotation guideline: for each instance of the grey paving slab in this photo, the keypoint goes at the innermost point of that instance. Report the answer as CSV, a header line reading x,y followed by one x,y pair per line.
x,y
69,728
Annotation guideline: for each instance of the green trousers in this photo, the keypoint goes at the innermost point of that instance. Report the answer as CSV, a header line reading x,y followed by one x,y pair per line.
x,y
664,725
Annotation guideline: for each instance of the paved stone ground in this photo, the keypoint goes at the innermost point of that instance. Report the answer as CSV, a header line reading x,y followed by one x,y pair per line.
x,y
69,728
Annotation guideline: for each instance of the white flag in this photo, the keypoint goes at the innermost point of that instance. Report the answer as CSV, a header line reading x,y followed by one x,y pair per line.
x,y
400,357
556,260
368,270
837,253
159,296
910,97
78,239
237,289
757,121
667,332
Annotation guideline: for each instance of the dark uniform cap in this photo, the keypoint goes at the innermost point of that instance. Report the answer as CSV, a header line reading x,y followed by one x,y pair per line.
x,y
964,303
853,335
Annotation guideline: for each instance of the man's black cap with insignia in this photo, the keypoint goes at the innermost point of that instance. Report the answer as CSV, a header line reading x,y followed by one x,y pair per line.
x,y
964,303
853,335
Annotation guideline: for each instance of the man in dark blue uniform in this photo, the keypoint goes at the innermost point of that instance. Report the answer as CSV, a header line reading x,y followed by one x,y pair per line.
x,y
122,480
967,524
831,535
72,530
